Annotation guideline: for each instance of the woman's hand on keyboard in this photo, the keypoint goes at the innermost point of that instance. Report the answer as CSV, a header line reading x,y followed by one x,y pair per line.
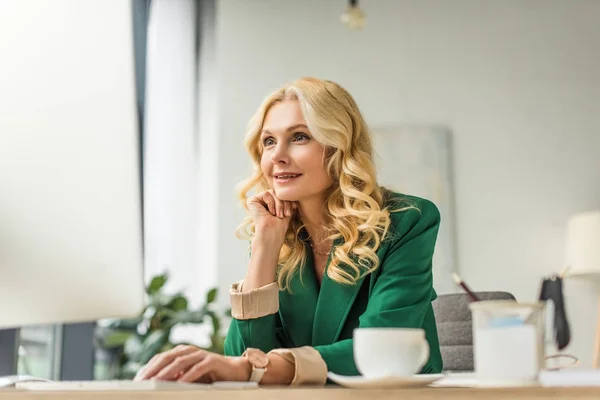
x,y
191,364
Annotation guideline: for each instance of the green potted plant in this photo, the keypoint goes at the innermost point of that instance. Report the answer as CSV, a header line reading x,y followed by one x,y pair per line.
x,y
128,344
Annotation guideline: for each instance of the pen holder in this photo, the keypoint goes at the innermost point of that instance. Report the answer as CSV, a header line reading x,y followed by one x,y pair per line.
x,y
508,342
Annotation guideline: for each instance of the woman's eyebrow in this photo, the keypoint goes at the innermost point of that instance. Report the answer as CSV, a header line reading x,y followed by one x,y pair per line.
x,y
290,128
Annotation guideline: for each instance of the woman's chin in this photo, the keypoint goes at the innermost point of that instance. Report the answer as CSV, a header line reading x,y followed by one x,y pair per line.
x,y
287,195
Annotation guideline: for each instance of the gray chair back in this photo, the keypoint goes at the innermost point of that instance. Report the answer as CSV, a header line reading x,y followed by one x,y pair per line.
x,y
455,330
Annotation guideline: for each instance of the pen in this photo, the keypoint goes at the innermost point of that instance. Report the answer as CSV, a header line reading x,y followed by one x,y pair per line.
x,y
459,282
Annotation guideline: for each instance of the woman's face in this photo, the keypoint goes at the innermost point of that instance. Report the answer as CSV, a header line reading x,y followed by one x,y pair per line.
x,y
292,161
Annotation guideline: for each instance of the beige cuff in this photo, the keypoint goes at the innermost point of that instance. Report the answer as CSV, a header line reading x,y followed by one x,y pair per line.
x,y
310,366
255,303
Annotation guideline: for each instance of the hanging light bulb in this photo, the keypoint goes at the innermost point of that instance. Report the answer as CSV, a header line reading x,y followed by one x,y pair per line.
x,y
353,17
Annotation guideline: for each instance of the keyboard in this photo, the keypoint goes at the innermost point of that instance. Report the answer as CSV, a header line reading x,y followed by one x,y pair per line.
x,y
122,385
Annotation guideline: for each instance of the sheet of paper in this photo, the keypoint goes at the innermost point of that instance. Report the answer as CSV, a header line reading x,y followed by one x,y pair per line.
x,y
456,379
572,377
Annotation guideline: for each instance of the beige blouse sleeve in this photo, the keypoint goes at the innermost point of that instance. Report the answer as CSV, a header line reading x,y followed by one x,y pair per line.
x,y
254,304
310,366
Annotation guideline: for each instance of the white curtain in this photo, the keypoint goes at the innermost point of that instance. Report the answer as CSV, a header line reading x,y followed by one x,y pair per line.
x,y
170,151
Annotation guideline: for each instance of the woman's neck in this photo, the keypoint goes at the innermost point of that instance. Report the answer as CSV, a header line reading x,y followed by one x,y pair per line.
x,y
313,218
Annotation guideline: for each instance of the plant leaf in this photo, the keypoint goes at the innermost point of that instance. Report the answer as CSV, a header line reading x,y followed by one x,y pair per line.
x,y
157,283
159,300
167,346
153,343
192,317
216,322
115,339
217,344
178,303
133,348
129,370
211,295
149,312
124,324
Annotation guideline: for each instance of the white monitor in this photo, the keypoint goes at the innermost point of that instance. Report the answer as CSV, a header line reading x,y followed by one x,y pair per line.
x,y
70,208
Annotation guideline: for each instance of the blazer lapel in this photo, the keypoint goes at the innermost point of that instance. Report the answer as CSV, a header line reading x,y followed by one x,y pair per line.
x,y
298,307
334,303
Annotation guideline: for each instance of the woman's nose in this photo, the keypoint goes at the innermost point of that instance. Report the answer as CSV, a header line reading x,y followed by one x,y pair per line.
x,y
280,155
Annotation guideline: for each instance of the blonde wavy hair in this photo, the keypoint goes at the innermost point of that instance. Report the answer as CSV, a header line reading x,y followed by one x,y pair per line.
x,y
355,203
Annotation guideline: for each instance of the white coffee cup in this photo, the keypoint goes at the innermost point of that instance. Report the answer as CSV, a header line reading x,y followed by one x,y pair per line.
x,y
380,352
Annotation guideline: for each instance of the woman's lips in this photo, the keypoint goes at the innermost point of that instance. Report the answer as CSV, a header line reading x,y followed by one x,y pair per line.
x,y
286,178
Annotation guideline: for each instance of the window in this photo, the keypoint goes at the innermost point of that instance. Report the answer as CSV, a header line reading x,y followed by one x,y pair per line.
x,y
38,351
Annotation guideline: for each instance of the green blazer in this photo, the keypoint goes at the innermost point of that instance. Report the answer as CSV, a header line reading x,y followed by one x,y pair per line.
x,y
398,294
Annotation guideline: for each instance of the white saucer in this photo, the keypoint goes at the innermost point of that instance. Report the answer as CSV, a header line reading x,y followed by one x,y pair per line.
x,y
388,382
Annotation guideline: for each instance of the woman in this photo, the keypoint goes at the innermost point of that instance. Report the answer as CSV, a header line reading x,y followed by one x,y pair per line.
x,y
331,250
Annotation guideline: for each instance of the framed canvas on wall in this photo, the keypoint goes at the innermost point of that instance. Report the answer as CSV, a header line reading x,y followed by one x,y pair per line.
x,y
417,160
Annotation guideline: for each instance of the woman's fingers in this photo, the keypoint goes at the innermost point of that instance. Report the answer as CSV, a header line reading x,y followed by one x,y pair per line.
x,y
198,373
180,365
291,207
271,203
287,208
159,361
279,211
261,201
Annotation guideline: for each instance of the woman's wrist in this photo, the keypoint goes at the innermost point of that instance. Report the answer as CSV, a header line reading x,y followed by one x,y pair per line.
x,y
243,368
267,251
267,242
262,269
279,371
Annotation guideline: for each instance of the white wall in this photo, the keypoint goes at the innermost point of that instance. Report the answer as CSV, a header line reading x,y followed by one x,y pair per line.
x,y
517,81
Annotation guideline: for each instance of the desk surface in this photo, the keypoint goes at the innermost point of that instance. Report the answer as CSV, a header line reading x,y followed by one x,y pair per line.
x,y
319,394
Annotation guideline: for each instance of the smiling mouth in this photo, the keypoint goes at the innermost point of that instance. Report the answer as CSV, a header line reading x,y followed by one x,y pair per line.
x,y
287,177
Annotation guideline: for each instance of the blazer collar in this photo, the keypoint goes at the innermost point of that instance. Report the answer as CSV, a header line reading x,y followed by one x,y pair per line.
x,y
333,305
298,306
314,316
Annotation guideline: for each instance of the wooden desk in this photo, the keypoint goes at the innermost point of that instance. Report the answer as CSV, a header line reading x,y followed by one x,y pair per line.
x,y
319,394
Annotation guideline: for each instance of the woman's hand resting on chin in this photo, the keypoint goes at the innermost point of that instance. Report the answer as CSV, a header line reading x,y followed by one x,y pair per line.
x,y
271,221
271,217
191,364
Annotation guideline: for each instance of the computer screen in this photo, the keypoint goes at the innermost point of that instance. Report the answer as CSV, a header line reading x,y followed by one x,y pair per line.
x,y
70,208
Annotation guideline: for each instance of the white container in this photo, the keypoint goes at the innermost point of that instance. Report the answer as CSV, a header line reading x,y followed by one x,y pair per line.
x,y
385,352
508,342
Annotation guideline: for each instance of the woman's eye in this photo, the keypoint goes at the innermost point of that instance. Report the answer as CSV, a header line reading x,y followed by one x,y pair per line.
x,y
268,142
299,137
